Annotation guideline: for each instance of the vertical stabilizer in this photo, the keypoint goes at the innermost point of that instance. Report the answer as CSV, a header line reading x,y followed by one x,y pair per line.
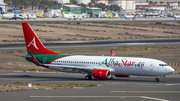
x,y
33,43
124,15
15,12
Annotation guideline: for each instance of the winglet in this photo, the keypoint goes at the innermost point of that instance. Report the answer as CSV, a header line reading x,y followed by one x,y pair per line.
x,y
112,53
35,60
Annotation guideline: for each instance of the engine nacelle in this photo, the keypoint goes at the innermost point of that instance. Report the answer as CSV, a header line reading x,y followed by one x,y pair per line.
x,y
123,76
101,74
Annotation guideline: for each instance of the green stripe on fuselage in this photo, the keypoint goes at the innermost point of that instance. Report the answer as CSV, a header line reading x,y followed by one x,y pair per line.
x,y
44,58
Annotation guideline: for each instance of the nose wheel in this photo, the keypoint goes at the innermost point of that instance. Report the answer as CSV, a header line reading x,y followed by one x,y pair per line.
x,y
157,80
88,77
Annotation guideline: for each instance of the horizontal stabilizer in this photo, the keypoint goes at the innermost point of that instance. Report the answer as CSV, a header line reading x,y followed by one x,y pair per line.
x,y
17,55
35,60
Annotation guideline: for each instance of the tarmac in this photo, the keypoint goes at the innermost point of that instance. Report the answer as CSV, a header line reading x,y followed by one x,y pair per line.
x,y
127,89
92,20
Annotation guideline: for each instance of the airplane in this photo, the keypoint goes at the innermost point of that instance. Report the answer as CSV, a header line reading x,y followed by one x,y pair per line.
x,y
40,15
176,16
98,67
72,16
29,16
10,16
129,16
25,16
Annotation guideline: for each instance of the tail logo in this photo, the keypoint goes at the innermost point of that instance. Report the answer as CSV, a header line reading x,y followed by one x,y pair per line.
x,y
33,42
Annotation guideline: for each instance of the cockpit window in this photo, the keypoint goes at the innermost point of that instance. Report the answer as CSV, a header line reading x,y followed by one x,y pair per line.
x,y
163,65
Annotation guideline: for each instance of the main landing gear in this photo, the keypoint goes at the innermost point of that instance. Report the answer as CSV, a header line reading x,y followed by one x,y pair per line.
x,y
156,79
88,77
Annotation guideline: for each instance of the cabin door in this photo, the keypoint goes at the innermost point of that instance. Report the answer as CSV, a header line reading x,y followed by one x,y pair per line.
x,y
152,66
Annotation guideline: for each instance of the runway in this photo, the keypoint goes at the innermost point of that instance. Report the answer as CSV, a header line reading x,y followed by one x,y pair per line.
x,y
56,45
127,89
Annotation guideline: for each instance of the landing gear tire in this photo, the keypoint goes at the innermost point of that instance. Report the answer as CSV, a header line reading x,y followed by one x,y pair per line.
x,y
111,78
157,80
88,77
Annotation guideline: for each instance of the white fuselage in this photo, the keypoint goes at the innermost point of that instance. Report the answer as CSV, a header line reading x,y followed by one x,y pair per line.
x,y
128,16
12,16
29,16
117,65
176,16
72,16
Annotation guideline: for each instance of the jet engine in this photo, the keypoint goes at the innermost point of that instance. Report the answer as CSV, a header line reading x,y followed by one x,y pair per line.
x,y
101,74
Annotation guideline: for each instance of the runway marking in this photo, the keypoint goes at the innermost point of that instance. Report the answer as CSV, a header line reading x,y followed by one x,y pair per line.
x,y
173,84
152,98
10,74
145,91
144,97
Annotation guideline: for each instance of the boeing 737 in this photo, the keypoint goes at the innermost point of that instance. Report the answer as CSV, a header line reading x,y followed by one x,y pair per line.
x,y
99,67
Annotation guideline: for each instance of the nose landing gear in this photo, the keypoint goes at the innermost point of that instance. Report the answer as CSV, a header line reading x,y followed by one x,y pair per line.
x,y
157,78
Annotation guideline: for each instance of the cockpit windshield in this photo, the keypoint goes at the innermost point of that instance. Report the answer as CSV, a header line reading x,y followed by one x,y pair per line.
x,y
163,65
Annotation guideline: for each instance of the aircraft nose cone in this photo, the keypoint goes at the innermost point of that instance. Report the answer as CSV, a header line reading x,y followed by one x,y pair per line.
x,y
170,70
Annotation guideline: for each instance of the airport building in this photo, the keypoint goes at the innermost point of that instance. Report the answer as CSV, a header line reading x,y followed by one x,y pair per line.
x,y
128,5
83,1
125,4
70,8
171,6
92,11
